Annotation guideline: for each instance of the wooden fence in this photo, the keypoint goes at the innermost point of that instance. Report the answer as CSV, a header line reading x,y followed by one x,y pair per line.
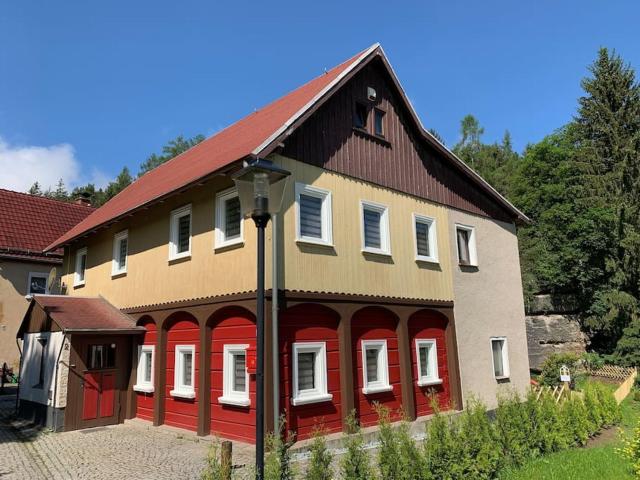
x,y
625,376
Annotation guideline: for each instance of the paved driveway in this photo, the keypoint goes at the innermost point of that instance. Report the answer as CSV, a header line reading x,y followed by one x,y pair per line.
x,y
130,451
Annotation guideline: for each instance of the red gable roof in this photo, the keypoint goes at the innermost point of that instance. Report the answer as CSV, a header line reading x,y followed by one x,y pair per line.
x,y
250,137
29,223
235,142
82,314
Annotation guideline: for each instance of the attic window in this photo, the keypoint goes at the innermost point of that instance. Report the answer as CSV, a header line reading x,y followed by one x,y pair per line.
x,y
379,122
360,116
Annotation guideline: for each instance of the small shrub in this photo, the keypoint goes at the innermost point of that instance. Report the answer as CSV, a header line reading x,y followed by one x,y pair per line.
x,y
610,409
576,421
319,467
594,408
512,428
277,464
355,463
631,450
413,464
388,452
215,469
441,448
480,454
554,432
593,360
550,370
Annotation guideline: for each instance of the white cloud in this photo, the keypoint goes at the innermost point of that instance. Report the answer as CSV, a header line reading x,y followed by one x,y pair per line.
x,y
22,165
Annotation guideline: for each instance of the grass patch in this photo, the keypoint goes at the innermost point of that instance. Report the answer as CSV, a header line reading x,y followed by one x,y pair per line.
x,y
589,463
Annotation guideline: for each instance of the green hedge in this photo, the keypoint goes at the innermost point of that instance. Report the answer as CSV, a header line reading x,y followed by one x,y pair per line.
x,y
474,444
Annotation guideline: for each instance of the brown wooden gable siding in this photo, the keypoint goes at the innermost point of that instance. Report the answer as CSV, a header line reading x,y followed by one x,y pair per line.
x,y
401,160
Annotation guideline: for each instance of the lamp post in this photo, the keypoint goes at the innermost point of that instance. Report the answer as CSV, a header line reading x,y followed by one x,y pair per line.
x,y
260,189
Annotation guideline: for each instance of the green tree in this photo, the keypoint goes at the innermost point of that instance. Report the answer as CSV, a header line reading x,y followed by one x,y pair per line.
x,y
172,149
35,189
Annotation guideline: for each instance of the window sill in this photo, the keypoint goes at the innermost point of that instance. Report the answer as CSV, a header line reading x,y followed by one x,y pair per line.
x,y
468,265
118,274
143,388
502,378
381,389
190,394
377,138
371,251
230,245
428,383
311,399
318,243
78,285
179,258
238,402
427,260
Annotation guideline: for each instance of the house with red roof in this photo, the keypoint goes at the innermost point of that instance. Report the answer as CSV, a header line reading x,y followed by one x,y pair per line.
x,y
394,277
28,224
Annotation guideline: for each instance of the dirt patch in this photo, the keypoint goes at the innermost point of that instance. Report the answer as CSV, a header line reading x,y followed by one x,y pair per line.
x,y
604,437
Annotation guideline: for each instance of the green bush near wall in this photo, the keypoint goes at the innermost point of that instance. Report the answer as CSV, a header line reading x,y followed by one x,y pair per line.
x,y
469,445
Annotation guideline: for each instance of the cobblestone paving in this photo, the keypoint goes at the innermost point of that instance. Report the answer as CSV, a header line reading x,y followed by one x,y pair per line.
x,y
129,451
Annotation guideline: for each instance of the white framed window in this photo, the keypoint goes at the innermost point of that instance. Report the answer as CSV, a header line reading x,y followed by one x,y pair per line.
x,y
120,253
466,244
185,371
229,224
37,283
235,387
313,215
81,267
144,381
375,367
180,233
424,233
427,360
375,228
310,373
500,355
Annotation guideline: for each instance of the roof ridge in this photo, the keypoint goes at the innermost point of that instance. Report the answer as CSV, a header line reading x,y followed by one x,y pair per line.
x,y
46,199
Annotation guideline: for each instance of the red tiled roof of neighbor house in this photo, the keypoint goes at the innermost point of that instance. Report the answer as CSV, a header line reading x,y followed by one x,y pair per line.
x,y
248,138
78,314
29,223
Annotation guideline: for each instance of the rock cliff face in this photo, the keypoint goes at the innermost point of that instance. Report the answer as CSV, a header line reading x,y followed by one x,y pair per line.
x,y
553,327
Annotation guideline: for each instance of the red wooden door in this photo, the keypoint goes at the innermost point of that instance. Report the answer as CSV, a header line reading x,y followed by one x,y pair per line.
x,y
99,395
90,395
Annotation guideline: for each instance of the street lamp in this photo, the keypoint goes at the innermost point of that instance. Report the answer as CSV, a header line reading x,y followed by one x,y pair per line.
x,y
260,188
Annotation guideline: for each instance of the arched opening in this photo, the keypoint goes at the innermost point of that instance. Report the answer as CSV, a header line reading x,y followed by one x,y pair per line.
x,y
182,367
145,369
427,336
310,369
233,389
376,364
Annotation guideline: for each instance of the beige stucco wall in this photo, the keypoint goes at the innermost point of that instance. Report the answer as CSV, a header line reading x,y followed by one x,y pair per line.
x,y
14,277
344,268
489,302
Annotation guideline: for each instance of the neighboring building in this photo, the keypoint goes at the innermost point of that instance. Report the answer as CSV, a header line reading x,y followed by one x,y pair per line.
x,y
397,267
28,224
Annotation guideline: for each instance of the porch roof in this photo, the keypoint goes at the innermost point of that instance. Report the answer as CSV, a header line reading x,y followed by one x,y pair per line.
x,y
83,315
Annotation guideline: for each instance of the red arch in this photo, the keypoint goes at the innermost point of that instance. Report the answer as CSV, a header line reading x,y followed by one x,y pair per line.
x,y
375,323
315,323
144,401
182,329
231,326
429,324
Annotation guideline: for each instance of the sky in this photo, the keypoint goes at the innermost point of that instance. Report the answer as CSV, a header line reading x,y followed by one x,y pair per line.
x,y
88,87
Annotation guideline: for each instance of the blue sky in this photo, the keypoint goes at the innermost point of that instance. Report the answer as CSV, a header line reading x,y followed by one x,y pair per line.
x,y
88,87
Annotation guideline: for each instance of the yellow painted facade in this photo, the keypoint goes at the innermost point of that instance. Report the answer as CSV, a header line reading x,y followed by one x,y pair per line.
x,y
151,278
344,268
